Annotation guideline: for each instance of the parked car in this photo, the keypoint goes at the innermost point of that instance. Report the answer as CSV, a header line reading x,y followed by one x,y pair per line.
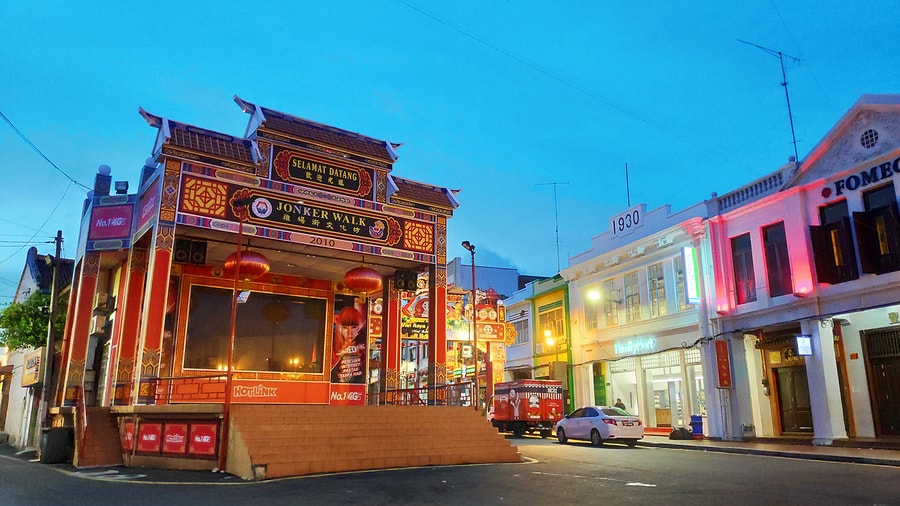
x,y
599,424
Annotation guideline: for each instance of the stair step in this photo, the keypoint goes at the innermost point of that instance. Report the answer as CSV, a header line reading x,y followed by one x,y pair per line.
x,y
345,438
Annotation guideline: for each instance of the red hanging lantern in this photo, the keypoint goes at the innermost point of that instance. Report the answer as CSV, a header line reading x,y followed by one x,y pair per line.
x,y
363,279
253,265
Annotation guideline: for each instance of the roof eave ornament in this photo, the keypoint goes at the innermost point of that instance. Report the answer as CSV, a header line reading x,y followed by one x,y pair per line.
x,y
392,149
256,116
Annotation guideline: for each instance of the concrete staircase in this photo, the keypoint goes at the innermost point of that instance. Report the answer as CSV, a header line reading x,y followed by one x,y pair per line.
x,y
100,445
275,441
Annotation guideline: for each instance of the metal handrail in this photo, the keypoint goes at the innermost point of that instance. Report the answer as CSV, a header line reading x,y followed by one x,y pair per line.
x,y
454,394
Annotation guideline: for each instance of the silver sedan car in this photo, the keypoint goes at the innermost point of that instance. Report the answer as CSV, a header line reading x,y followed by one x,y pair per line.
x,y
599,424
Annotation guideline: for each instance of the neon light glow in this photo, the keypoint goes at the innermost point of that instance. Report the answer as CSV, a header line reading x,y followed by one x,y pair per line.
x,y
691,275
635,346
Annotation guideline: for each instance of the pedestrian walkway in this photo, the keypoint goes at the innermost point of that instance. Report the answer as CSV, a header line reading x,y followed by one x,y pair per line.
x,y
792,449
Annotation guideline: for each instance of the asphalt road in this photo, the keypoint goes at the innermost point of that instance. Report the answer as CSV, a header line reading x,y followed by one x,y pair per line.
x,y
554,475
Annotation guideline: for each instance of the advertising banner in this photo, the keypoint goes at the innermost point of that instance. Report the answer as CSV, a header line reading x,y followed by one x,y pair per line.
x,y
348,349
203,438
128,436
110,226
149,438
175,438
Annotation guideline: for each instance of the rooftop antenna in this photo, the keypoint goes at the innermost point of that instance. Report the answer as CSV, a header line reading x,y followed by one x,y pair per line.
x,y
784,83
556,213
627,188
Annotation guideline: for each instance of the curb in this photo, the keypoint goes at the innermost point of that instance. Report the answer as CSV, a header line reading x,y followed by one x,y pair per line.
x,y
853,459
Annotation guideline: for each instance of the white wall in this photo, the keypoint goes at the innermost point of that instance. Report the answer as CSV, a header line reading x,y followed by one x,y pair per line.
x,y
21,406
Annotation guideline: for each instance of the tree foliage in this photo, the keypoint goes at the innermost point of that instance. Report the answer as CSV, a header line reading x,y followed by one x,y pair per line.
x,y
24,325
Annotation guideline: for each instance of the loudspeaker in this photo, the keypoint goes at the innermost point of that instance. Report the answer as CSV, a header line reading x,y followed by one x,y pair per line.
x,y
198,252
188,251
182,252
406,280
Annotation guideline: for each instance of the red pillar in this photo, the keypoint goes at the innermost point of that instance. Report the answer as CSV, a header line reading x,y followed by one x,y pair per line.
x,y
154,314
130,306
437,330
390,339
79,334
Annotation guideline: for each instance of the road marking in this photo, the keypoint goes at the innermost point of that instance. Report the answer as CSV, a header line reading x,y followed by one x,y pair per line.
x,y
639,484
110,474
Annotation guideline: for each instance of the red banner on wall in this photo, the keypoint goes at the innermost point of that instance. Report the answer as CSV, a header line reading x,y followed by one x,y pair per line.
x,y
204,437
723,364
149,438
128,437
175,438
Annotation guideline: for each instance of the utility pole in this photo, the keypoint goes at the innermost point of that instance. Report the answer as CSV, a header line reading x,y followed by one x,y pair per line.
x,y
50,352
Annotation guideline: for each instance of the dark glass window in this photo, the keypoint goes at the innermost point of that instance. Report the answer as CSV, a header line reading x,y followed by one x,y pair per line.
x,y
878,231
880,197
833,213
742,260
632,297
272,332
832,242
778,266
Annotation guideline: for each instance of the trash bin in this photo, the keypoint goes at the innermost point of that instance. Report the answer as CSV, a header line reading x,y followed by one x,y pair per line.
x,y
696,427
55,444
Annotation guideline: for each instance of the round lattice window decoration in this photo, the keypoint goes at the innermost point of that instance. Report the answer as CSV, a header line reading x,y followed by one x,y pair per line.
x,y
869,138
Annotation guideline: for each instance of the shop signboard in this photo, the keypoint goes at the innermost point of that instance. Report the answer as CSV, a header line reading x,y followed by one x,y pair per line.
x,y
250,391
33,372
491,331
328,223
691,276
804,345
307,169
148,207
723,364
110,226
344,394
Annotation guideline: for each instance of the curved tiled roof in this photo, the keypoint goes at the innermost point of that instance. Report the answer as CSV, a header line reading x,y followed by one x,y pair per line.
x,y
211,143
424,193
328,135
201,140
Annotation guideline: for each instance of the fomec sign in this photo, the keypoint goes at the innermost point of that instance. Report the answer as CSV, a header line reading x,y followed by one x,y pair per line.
x,y
864,178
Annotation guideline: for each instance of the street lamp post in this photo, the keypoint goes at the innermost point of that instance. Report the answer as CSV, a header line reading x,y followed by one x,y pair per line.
x,y
229,372
471,247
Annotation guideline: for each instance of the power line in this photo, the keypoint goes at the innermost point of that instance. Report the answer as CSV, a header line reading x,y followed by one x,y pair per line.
x,y
58,202
38,151
569,83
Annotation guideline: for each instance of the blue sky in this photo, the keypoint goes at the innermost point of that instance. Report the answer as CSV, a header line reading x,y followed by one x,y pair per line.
x,y
492,98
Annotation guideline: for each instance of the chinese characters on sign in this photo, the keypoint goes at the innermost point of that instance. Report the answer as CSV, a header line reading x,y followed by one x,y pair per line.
x,y
723,364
